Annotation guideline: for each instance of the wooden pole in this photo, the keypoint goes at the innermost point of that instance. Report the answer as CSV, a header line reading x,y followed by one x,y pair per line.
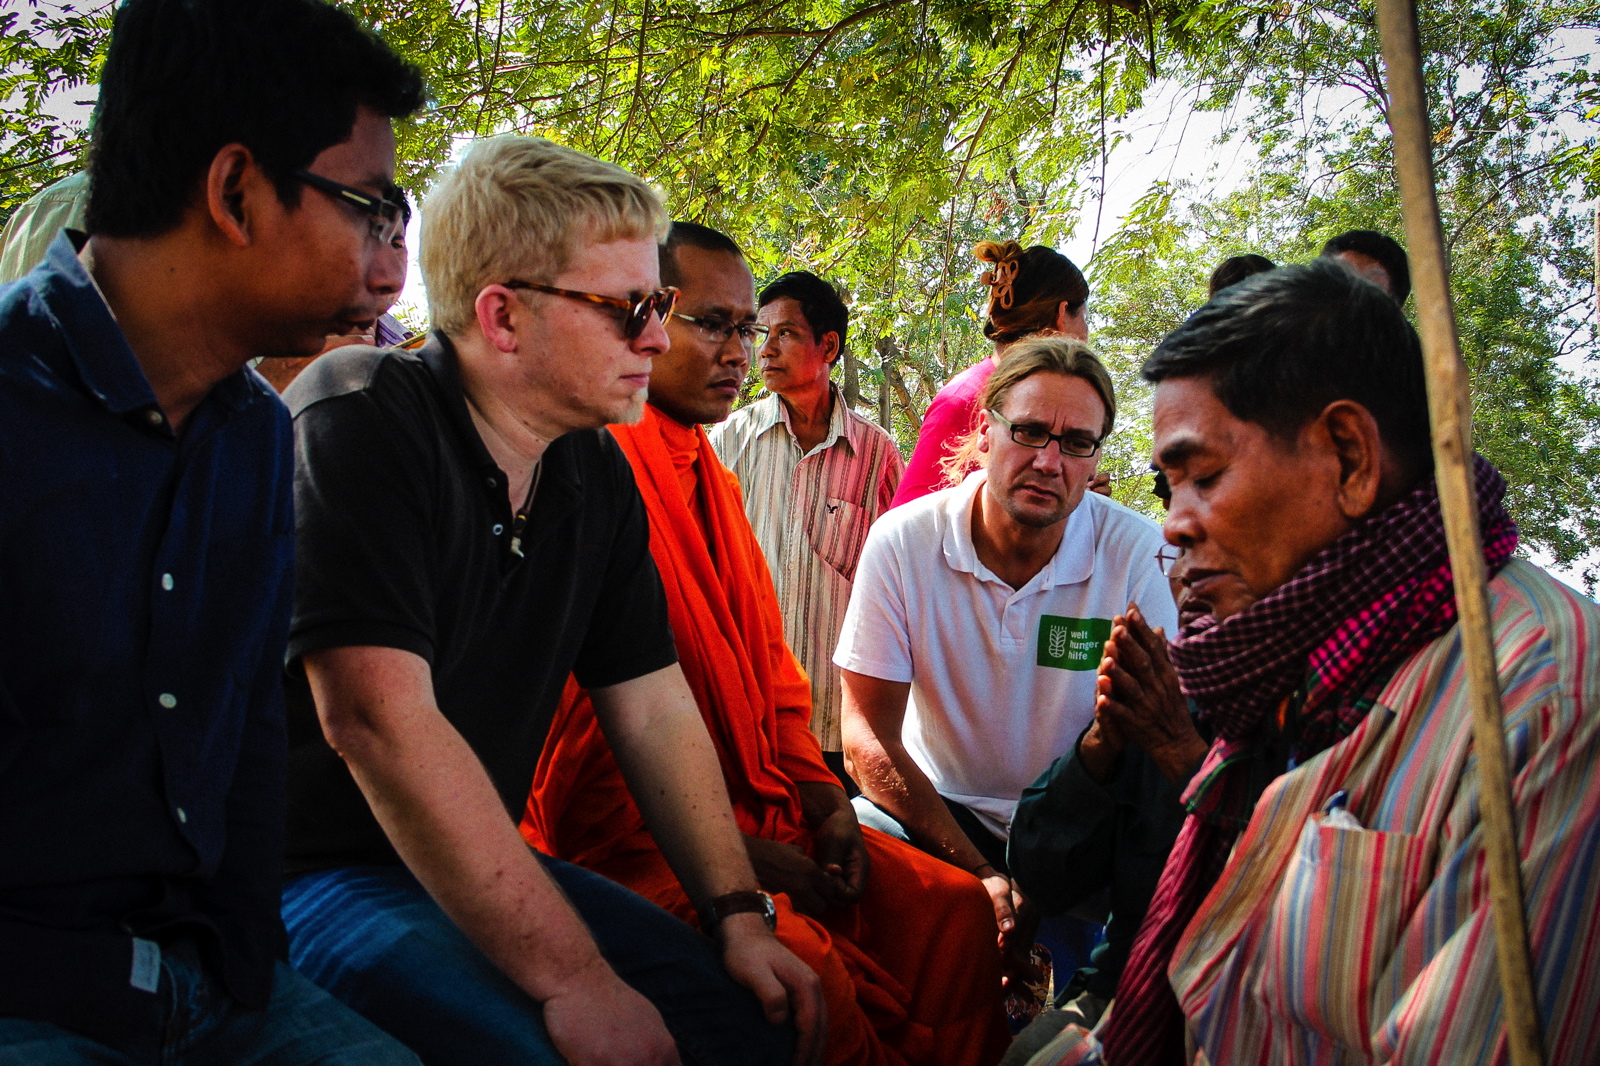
x,y
1450,406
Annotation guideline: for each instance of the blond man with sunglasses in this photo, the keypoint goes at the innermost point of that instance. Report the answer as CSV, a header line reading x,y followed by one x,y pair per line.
x,y
469,539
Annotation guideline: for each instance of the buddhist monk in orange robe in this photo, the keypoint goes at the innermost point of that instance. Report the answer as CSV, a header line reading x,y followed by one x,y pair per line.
x,y
904,943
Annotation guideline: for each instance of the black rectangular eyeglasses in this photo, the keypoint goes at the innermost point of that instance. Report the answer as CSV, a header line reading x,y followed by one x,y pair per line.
x,y
1032,435
388,218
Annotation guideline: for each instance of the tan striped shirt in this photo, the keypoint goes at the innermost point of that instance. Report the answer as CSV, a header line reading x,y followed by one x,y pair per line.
x,y
811,513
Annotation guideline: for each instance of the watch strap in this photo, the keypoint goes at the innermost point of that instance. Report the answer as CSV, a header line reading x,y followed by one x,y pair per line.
x,y
748,902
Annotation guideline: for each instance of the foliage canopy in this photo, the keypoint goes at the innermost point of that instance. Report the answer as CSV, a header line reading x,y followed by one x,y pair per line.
x,y
875,141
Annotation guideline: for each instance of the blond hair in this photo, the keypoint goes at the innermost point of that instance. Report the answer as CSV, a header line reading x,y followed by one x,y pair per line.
x,y
522,207
1051,354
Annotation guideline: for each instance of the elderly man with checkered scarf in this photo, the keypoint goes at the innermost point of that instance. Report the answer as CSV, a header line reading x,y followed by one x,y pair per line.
x,y
1326,899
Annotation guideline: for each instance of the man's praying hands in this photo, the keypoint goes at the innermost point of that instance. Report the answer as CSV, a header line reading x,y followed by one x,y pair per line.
x,y
1137,702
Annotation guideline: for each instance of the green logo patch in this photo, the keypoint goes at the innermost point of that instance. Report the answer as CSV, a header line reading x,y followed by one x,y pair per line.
x,y
1072,643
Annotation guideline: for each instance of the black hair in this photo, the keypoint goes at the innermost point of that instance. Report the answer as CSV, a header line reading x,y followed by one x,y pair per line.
x,y
693,235
1280,347
1162,488
1385,249
1235,269
824,310
184,78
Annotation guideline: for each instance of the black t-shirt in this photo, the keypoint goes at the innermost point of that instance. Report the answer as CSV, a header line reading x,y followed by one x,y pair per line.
x,y
404,541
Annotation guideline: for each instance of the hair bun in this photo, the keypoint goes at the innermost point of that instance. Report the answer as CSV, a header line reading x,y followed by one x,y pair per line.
x,y
997,251
1007,260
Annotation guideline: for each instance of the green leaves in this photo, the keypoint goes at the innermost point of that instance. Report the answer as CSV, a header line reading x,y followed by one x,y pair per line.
x,y
1516,160
875,141
872,141
50,55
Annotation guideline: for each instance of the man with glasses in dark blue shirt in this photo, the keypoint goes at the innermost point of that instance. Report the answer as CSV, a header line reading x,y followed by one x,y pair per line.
x,y
240,206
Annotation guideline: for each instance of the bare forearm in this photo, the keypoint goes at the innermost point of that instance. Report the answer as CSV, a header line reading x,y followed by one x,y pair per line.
x,y
666,756
891,778
820,801
873,716
438,807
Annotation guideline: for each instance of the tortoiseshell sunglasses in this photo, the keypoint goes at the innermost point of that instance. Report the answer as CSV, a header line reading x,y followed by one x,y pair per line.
x,y
639,309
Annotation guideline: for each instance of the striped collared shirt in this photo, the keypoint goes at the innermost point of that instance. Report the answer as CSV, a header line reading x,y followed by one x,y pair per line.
x,y
1332,941
811,513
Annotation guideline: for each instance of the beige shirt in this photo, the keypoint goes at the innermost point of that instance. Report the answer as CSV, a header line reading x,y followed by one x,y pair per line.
x,y
811,513
31,228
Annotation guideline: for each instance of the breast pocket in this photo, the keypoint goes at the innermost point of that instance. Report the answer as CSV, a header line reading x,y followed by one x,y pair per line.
x,y
837,530
1332,930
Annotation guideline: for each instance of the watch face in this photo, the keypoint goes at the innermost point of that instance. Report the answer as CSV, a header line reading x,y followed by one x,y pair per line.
x,y
769,911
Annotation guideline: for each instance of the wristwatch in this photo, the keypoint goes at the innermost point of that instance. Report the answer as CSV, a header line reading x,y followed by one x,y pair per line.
x,y
756,902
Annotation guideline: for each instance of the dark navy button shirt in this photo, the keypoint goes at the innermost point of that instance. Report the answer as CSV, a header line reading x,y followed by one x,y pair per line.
x,y
145,587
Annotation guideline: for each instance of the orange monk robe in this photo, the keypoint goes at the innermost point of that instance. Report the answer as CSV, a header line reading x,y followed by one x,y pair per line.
x,y
912,974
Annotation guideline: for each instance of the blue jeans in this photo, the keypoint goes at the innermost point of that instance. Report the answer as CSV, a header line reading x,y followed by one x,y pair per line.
x,y
373,937
205,1027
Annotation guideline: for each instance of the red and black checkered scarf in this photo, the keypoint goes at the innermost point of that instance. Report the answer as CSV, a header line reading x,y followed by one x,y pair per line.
x,y
1278,683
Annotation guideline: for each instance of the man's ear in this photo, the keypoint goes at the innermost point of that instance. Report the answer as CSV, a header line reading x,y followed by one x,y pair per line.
x,y
831,347
1353,435
984,424
232,183
495,306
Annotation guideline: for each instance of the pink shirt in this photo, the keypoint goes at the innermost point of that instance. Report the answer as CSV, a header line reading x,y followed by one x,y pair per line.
x,y
951,416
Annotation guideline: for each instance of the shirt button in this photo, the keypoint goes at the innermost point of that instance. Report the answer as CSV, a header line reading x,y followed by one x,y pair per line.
x,y
182,817
498,529
166,582
493,483
167,700
153,417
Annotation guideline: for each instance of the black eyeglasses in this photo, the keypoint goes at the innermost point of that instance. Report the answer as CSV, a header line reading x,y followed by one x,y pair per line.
x,y
387,218
639,308
1168,557
1033,435
718,329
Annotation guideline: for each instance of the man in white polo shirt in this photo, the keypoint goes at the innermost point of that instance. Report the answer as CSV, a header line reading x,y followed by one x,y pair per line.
x,y
980,613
